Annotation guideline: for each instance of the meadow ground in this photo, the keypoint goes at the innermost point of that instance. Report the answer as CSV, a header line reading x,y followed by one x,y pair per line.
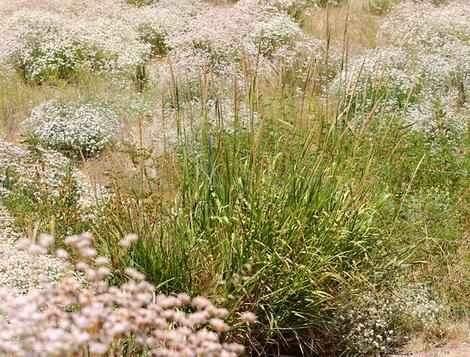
x,y
224,178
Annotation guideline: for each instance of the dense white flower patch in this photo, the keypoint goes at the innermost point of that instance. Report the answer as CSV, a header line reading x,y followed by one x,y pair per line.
x,y
439,38
21,270
271,33
57,40
422,71
217,42
41,46
44,168
385,75
73,128
420,305
423,26
224,32
369,325
41,170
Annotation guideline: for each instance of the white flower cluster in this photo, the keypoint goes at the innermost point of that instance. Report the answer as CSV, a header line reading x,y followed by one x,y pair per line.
x,y
73,128
41,46
439,38
20,270
385,76
422,71
420,306
74,318
273,32
370,325
217,39
157,25
44,168
60,41
54,39
367,327
422,26
224,32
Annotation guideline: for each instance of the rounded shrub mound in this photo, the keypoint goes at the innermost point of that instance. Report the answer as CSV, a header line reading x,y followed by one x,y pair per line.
x,y
44,47
48,45
75,129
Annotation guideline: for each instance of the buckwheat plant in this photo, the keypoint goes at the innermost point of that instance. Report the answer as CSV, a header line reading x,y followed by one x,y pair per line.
x,y
20,167
272,33
40,178
421,72
376,322
367,327
55,39
22,270
216,42
386,76
59,41
42,46
438,37
84,315
421,309
77,129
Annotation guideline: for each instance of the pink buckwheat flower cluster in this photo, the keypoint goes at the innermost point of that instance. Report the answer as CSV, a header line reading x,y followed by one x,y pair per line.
x,y
83,314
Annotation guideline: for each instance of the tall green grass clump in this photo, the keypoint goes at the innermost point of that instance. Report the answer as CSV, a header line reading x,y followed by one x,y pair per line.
x,y
258,219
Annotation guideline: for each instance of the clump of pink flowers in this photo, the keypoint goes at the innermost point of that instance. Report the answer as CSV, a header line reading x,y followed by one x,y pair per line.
x,y
83,315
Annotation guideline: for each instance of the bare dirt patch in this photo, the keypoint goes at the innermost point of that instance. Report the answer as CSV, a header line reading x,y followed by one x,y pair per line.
x,y
457,345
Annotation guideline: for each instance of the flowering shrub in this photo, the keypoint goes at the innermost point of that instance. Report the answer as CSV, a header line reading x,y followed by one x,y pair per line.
x,y
158,25
385,75
420,307
213,42
439,39
270,34
368,328
274,217
423,26
422,72
73,128
44,47
38,167
21,270
39,186
155,37
59,41
73,317
47,44
375,323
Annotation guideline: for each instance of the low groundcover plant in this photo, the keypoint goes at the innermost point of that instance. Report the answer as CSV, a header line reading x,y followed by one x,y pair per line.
x,y
73,128
83,315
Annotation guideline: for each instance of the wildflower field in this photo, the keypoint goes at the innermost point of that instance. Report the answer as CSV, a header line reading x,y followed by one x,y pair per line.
x,y
233,178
